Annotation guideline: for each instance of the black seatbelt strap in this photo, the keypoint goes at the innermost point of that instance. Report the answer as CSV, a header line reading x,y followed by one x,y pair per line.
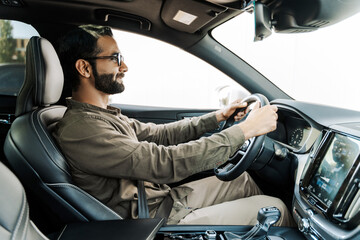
x,y
165,208
143,209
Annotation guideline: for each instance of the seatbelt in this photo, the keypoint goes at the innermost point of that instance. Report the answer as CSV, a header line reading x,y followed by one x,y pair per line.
x,y
143,209
165,208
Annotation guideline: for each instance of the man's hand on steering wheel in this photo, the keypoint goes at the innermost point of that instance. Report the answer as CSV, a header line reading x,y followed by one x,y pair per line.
x,y
227,112
260,121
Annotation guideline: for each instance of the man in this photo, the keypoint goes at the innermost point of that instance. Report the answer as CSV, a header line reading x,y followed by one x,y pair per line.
x,y
108,152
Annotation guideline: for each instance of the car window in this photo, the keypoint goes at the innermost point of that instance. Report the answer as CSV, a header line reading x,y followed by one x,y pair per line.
x,y
162,75
319,66
14,37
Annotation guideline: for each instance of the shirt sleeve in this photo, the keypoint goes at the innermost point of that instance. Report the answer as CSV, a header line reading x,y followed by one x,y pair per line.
x,y
103,150
176,132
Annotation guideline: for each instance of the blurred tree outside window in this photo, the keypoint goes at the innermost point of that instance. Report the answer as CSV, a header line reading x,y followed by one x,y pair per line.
x,y
14,37
7,43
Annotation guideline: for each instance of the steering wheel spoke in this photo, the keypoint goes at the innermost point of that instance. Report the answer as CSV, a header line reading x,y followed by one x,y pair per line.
x,y
226,168
245,146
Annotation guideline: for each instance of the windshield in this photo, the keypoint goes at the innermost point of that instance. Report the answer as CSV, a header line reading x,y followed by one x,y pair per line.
x,y
320,66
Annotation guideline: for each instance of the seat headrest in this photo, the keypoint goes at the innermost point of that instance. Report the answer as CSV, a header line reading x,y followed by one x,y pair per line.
x,y
44,78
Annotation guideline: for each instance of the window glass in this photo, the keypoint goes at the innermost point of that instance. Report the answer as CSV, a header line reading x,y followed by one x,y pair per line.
x,y
162,75
14,37
319,66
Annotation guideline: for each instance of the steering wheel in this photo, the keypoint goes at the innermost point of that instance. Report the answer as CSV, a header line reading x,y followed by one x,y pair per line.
x,y
248,152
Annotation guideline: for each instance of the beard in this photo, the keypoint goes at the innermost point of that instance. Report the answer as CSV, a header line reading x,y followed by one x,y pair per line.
x,y
107,83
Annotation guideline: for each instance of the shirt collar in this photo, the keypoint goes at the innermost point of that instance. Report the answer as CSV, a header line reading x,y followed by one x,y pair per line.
x,y
73,104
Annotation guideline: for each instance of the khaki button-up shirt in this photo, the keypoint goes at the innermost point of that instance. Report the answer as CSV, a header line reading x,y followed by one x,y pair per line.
x,y
108,152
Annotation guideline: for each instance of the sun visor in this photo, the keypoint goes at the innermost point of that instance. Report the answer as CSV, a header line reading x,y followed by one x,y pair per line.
x,y
122,19
186,17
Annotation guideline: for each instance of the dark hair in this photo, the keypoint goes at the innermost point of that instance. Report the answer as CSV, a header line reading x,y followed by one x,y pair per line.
x,y
77,44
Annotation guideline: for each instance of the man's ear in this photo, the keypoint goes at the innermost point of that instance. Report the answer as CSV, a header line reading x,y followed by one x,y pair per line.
x,y
83,67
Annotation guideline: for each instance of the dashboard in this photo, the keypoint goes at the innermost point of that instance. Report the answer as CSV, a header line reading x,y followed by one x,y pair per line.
x,y
326,143
293,130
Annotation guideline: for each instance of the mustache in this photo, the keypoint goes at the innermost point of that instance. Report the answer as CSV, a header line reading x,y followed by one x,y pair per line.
x,y
120,75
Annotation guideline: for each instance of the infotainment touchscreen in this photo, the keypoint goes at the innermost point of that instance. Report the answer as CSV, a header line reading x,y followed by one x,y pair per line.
x,y
334,166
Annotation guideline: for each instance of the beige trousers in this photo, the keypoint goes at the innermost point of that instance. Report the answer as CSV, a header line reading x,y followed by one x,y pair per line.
x,y
215,202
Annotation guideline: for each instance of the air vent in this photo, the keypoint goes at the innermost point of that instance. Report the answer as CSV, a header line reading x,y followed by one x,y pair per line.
x,y
302,30
318,24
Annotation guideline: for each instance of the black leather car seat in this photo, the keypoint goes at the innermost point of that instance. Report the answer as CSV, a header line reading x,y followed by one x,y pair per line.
x,y
14,210
30,149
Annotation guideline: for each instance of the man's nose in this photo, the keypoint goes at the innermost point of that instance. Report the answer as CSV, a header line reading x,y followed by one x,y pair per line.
x,y
123,67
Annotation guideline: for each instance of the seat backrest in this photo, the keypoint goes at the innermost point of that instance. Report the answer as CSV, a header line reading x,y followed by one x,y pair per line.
x,y
30,149
14,210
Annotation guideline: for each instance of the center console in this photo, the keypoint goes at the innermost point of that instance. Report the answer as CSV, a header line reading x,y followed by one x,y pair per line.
x,y
223,233
263,230
153,228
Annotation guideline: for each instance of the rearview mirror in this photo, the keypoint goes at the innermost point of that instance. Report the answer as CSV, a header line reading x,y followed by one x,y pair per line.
x,y
262,21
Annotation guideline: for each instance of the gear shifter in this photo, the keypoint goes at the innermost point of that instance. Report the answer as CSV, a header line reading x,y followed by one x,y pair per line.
x,y
267,216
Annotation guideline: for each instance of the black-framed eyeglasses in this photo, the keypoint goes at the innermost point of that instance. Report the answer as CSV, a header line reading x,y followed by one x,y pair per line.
x,y
117,57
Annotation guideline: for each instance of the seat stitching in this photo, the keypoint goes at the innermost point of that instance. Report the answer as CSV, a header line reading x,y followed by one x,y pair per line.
x,y
64,185
37,230
62,232
23,208
66,203
50,141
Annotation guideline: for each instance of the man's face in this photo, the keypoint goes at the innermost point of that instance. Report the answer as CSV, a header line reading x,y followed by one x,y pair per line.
x,y
107,72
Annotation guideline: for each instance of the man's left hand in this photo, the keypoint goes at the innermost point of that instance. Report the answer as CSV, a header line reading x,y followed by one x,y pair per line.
x,y
225,113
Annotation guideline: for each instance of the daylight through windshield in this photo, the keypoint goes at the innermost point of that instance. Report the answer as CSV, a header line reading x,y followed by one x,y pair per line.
x,y
320,66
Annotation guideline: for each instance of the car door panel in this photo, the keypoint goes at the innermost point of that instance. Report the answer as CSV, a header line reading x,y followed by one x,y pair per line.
x,y
161,115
